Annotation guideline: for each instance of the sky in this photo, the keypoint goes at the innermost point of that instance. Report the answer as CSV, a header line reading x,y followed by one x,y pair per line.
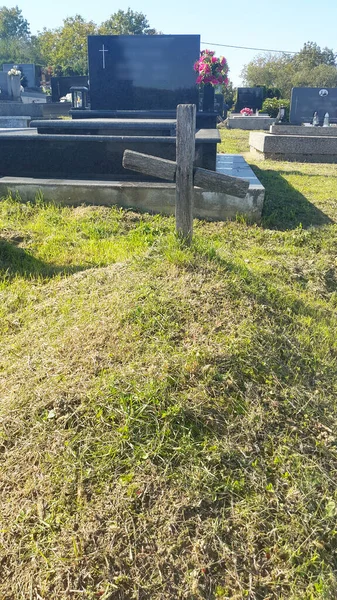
x,y
284,25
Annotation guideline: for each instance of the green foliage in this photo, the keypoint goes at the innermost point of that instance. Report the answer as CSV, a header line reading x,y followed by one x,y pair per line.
x,y
229,93
168,414
126,23
15,40
66,47
272,92
312,66
312,56
272,105
13,24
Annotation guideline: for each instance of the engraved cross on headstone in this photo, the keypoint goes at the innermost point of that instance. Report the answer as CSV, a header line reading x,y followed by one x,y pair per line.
x,y
103,50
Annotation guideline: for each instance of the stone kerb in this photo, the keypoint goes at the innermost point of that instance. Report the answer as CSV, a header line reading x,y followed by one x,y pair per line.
x,y
14,122
294,147
304,130
146,196
237,121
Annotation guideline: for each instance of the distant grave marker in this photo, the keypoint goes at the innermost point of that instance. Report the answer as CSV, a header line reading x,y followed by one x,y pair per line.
x,y
249,97
306,101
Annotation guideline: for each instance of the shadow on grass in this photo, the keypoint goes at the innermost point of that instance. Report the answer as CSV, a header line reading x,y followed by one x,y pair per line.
x,y
284,206
16,261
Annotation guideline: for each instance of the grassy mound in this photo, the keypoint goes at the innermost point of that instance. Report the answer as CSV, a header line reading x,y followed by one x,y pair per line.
x,y
168,415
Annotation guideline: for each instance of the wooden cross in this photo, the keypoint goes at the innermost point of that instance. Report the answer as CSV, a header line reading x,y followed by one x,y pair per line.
x,y
183,172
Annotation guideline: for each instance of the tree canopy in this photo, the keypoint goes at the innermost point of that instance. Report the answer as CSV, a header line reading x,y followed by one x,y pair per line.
x,y
64,49
311,67
13,24
126,23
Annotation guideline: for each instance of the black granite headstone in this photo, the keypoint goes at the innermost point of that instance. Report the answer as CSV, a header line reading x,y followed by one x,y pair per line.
x,y
142,72
60,86
249,97
306,101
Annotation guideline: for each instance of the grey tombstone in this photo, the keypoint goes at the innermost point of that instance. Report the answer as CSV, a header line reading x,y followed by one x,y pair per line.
x,y
28,70
306,101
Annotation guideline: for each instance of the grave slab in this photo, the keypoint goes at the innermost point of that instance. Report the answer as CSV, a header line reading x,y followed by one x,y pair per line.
x,y
161,127
303,130
146,196
90,156
301,148
249,123
17,122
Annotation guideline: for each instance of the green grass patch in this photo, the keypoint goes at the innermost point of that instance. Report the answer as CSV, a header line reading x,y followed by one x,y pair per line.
x,y
168,414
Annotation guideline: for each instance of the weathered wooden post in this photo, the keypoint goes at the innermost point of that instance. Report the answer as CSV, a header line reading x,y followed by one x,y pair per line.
x,y
185,145
183,172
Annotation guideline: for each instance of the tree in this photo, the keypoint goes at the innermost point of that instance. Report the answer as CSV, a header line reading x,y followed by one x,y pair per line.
x,y
65,49
269,70
229,93
126,23
312,56
12,24
311,67
15,41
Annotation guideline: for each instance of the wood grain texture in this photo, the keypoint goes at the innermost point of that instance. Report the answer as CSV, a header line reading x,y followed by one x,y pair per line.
x,y
149,165
185,149
218,182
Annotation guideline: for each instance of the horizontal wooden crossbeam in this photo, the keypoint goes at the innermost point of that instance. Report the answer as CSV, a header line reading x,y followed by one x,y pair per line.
x,y
166,169
149,165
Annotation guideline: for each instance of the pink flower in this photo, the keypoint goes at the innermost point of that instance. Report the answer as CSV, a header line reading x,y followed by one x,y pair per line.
x,y
246,111
211,69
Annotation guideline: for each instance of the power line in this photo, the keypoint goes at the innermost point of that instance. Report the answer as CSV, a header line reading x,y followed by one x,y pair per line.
x,y
247,48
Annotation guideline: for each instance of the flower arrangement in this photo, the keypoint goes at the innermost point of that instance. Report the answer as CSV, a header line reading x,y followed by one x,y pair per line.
x,y
211,69
247,112
14,71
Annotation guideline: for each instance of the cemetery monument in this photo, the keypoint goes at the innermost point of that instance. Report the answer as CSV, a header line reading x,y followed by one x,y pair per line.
x,y
305,139
134,100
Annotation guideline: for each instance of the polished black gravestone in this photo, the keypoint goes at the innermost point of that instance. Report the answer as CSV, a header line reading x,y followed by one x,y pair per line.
x,y
142,72
306,101
249,97
60,86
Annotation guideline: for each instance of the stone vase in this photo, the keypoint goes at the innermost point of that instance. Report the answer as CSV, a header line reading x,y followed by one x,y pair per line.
x,y
208,98
14,87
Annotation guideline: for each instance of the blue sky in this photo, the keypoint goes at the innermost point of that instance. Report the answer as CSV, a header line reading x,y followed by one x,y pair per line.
x,y
284,25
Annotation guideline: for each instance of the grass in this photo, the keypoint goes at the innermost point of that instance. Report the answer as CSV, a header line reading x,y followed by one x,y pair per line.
x,y
168,414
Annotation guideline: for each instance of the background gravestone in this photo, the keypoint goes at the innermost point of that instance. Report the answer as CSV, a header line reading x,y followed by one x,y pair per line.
x,y
306,101
142,72
60,86
249,97
3,85
29,70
